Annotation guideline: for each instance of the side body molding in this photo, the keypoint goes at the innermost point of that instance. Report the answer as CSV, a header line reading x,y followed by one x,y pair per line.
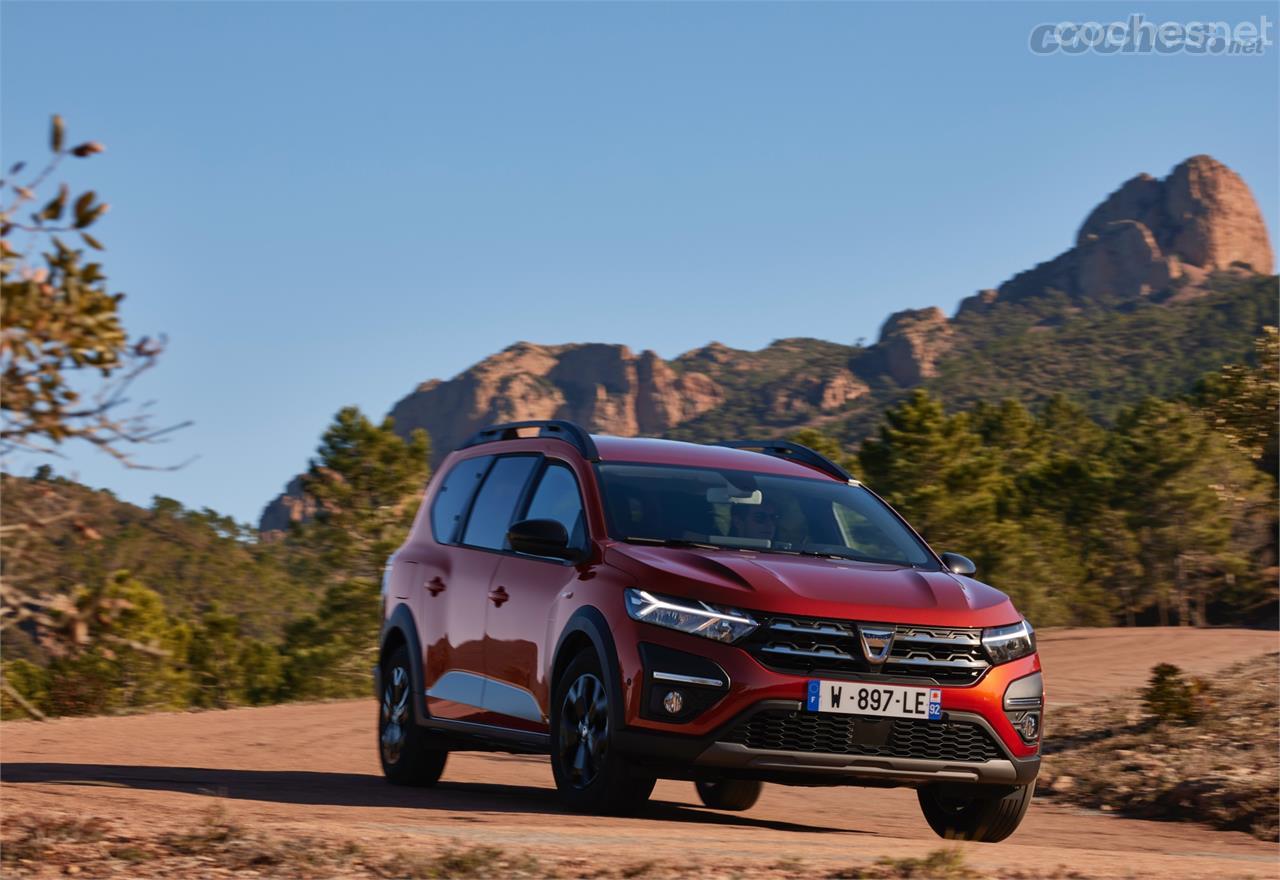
x,y
471,689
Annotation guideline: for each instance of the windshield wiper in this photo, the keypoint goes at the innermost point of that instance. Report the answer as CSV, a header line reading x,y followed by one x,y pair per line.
x,y
673,542
852,557
821,554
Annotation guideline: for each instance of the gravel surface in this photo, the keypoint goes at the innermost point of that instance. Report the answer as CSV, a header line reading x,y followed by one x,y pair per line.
x,y
301,782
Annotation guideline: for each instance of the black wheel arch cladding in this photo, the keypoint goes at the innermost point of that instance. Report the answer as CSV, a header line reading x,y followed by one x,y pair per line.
x,y
400,626
590,623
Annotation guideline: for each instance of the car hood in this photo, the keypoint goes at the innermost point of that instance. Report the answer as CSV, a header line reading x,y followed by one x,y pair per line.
x,y
813,587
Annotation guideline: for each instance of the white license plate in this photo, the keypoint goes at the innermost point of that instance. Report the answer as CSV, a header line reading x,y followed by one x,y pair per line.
x,y
860,698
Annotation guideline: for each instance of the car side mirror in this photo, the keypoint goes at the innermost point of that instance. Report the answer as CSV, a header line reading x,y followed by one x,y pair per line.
x,y
957,564
541,537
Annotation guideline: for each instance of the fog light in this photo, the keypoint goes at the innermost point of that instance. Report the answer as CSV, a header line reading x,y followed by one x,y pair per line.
x,y
673,702
1028,726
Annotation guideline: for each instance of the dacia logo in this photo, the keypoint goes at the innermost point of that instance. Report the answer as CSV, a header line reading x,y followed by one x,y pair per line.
x,y
877,642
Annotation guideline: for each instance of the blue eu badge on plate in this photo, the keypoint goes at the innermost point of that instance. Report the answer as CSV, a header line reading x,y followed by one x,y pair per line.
x,y
935,702
814,687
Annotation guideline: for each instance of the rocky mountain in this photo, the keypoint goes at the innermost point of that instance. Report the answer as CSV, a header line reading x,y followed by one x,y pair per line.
x,y
1166,280
1152,235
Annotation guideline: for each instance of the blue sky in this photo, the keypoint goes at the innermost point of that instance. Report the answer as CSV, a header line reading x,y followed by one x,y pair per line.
x,y
327,203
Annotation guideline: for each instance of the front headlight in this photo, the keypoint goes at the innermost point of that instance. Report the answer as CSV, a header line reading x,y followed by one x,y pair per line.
x,y
689,615
1005,643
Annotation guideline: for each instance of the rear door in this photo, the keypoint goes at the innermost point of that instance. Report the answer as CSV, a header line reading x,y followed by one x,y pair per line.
x,y
450,596
457,690
521,597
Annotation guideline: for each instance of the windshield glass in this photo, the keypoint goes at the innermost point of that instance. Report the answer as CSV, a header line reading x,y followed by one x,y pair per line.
x,y
647,503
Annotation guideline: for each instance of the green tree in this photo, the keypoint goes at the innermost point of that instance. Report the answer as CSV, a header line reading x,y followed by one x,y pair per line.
x,y
263,672
367,482
963,480
330,653
61,322
1242,401
829,446
28,689
66,362
1062,508
131,659
935,469
1190,500
214,660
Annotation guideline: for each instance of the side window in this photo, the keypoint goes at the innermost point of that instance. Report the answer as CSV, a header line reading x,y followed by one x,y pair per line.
x,y
496,502
454,495
557,498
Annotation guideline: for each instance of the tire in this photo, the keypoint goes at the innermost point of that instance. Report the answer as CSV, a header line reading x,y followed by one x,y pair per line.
x,y
963,814
591,776
408,758
730,794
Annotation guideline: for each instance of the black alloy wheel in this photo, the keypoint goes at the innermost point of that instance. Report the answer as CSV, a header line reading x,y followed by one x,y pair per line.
x,y
408,755
584,729
590,773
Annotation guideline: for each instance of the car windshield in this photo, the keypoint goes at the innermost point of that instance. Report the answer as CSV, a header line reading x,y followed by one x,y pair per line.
x,y
665,504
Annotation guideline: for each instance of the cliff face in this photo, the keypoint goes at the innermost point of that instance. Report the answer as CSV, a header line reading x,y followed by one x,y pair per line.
x,y
608,387
1168,241
911,343
1203,214
1152,235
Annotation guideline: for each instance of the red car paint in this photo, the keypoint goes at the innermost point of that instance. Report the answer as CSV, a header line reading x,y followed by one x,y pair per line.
x,y
499,616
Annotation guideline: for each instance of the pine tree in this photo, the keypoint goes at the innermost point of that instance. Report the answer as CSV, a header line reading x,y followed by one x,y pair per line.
x,y
367,482
1188,497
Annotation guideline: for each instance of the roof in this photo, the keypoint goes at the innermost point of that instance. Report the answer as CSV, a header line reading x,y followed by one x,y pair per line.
x,y
648,450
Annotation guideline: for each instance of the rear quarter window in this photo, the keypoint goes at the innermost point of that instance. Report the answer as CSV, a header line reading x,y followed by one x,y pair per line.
x,y
454,495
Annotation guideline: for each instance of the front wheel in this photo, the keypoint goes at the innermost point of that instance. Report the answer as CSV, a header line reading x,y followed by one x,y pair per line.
x,y
407,757
591,775
730,794
967,813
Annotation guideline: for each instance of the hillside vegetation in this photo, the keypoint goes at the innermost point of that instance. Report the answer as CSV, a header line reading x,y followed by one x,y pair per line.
x,y
1102,355
165,608
1098,433
1106,355
1167,515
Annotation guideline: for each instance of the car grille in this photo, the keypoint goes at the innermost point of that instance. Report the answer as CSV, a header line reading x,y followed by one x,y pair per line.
x,y
784,731
812,646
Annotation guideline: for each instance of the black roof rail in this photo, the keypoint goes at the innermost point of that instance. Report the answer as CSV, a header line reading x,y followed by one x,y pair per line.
x,y
794,452
569,432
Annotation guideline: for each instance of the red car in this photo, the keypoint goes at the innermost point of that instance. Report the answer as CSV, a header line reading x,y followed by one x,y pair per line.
x,y
731,614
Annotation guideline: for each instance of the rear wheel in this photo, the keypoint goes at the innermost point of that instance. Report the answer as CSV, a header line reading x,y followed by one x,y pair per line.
x,y
967,813
591,775
730,794
408,758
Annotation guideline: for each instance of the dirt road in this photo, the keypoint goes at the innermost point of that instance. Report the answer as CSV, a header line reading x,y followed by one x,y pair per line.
x,y
312,770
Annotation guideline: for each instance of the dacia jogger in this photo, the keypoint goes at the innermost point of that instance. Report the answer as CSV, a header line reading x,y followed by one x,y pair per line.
x,y
730,614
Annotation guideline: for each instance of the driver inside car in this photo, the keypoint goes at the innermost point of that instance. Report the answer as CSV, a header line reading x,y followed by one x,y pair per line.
x,y
756,521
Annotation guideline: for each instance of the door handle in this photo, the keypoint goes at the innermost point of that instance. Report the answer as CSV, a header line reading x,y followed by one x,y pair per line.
x,y
435,586
498,596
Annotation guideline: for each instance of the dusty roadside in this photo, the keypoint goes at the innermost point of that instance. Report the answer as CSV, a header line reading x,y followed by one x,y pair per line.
x,y
307,775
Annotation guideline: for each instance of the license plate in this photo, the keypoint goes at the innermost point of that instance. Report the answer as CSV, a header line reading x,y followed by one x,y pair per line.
x,y
888,700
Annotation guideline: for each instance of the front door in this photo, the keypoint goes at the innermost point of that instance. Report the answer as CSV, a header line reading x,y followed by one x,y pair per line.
x,y
521,596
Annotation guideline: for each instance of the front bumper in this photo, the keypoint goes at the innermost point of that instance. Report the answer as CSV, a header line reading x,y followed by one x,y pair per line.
x,y
711,757
750,685
816,769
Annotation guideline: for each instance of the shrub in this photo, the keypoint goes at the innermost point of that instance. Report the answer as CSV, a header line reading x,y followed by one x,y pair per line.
x,y
1172,698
